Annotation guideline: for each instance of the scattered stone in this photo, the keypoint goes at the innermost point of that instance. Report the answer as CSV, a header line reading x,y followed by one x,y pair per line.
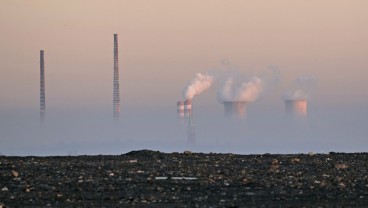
x,y
275,162
246,181
15,173
175,178
341,166
187,152
185,180
275,165
295,160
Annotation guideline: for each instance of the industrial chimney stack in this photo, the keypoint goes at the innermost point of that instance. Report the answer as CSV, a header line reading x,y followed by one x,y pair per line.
x,y
188,108
180,110
191,136
42,87
116,101
185,112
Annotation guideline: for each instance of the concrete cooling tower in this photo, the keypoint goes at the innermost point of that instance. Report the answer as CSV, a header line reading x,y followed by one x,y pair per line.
x,y
235,109
297,107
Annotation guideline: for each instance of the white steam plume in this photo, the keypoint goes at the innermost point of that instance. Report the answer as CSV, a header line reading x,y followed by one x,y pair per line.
x,y
303,85
245,92
199,84
296,95
306,81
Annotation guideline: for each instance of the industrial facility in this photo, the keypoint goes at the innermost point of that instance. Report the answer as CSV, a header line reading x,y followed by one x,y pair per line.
x,y
296,107
235,109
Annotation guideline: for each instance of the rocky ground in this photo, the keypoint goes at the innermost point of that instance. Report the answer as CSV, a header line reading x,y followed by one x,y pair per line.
x,y
153,179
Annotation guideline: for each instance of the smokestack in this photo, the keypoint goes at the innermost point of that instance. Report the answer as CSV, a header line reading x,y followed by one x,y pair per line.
x,y
180,111
116,100
296,107
235,109
191,136
42,87
188,108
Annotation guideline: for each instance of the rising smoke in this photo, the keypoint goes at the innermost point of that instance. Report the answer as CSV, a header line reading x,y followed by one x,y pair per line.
x,y
303,85
296,95
306,81
240,90
199,84
246,91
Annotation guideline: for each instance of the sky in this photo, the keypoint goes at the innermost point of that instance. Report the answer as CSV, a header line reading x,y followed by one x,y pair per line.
x,y
162,45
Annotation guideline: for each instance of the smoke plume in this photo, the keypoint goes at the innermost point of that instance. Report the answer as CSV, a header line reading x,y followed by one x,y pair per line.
x,y
306,81
303,85
199,84
296,95
244,92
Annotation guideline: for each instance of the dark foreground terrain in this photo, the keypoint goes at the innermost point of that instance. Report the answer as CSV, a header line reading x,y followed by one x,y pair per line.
x,y
154,179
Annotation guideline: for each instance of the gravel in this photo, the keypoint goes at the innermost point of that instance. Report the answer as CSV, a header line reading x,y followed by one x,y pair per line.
x,y
154,179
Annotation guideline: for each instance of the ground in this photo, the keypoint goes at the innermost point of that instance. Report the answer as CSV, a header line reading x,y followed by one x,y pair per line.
x,y
154,179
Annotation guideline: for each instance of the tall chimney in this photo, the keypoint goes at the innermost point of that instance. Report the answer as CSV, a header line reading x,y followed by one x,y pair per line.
x,y
297,107
116,101
188,108
191,136
180,110
235,109
42,87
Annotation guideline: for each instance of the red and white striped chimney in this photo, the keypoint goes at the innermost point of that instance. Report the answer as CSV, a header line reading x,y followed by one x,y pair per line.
x,y
180,111
188,108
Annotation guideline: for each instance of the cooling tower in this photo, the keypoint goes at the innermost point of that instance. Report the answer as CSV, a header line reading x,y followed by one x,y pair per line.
x,y
235,109
296,107
180,111
188,108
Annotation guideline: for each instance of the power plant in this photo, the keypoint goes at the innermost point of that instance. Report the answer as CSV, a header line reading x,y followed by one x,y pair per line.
x,y
42,87
116,93
296,107
235,109
234,98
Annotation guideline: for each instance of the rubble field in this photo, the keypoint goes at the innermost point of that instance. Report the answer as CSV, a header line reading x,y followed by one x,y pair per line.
x,y
154,179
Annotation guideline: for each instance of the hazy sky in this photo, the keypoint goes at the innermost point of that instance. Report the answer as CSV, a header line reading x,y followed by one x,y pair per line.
x,y
163,43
